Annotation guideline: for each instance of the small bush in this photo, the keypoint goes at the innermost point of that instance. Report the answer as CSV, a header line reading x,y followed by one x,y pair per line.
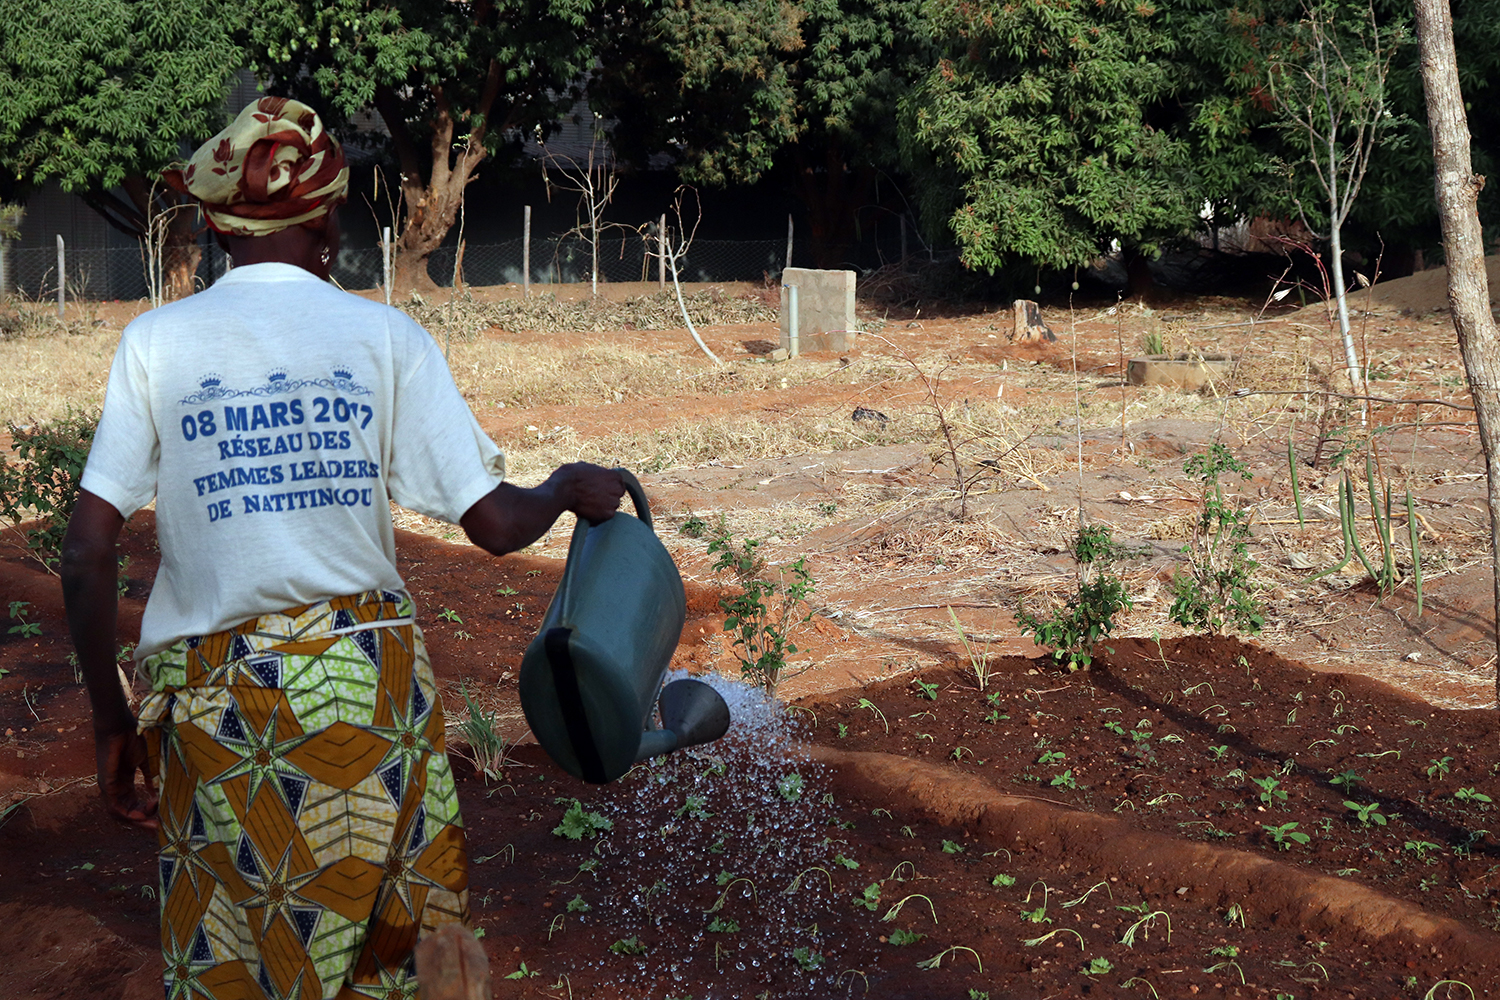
x,y
1087,617
40,482
1218,592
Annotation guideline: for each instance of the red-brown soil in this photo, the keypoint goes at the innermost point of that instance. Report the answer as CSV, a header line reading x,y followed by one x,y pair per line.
x,y
931,812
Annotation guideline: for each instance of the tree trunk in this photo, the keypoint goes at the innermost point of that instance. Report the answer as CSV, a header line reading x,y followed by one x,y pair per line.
x,y
1463,244
431,205
180,255
831,199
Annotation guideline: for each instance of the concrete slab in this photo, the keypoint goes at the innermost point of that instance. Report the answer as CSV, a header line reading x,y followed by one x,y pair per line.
x,y
825,309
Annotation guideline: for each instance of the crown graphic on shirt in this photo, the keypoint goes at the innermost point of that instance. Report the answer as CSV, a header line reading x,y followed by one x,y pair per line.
x,y
210,380
342,373
276,376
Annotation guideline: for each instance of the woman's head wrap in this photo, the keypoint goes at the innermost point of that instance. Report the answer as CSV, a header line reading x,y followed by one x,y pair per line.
x,y
274,167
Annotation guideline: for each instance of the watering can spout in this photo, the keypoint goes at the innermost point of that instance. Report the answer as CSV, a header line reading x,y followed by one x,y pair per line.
x,y
691,713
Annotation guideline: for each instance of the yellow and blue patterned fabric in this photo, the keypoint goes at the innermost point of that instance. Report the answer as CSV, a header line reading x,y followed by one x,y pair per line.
x,y
310,830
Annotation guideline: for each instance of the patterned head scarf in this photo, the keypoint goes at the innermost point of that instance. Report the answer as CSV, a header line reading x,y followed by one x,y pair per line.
x,y
274,167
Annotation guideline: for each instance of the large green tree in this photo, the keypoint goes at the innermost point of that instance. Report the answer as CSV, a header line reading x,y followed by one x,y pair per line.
x,y
1048,128
734,89
101,96
453,82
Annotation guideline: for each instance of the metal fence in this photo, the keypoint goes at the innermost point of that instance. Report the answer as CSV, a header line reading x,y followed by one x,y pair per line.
x,y
120,272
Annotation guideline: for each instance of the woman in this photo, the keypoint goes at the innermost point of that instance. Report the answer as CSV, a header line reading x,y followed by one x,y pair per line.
x,y
307,819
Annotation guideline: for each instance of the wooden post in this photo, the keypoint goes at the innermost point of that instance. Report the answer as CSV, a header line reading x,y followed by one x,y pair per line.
x,y
526,254
62,277
661,262
789,239
385,261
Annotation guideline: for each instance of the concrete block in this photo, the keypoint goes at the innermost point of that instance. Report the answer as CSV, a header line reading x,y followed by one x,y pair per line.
x,y
825,309
1189,373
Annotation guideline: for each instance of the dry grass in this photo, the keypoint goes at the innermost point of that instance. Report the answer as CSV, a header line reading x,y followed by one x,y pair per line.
x,y
41,377
462,318
728,439
492,372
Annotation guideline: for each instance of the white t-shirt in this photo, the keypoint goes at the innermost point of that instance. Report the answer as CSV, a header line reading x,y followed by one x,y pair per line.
x,y
273,417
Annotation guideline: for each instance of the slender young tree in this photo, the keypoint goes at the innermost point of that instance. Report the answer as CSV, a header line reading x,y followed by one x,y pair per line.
x,y
1458,190
1329,82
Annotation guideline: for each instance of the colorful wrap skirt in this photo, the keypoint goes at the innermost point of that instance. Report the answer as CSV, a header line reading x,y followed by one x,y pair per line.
x,y
310,830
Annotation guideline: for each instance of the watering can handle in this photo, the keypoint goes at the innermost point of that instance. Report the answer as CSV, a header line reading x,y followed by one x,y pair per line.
x,y
637,495
581,527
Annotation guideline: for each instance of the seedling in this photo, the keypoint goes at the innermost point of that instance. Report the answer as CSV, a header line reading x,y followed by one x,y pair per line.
x,y
525,973
1098,967
901,936
1115,728
958,753
1064,780
1052,757
578,904
843,730
867,703
1347,780
849,863
1003,881
807,959
790,787
1133,980
1227,964
894,911
1366,814
1270,790
718,925
937,960
23,628
1285,832
1084,898
449,615
1038,941
953,847
693,808
925,690
1470,795
870,898
1439,767
577,823
1144,926
979,659
628,946
797,882
1235,915
1420,848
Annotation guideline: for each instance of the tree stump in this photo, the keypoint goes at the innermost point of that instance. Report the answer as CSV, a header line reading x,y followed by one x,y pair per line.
x,y
452,965
1030,327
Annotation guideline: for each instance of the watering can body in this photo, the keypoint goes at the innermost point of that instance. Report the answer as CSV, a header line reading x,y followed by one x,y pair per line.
x,y
591,678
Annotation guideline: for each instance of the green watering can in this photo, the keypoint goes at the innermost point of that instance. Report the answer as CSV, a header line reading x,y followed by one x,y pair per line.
x,y
590,680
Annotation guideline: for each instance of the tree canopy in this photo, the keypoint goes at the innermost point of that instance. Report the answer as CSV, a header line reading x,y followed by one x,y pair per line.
x,y
103,95
452,83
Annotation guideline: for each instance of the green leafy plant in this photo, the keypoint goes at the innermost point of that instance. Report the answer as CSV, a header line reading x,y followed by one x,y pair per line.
x,y
1098,967
1217,592
790,787
807,959
1003,881
40,482
766,612
488,751
1270,790
901,936
1470,795
449,615
628,946
578,905
1439,767
577,823
925,689
1366,814
953,847
22,626
1346,780
1087,617
523,973
719,925
870,897
1285,832
1064,780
